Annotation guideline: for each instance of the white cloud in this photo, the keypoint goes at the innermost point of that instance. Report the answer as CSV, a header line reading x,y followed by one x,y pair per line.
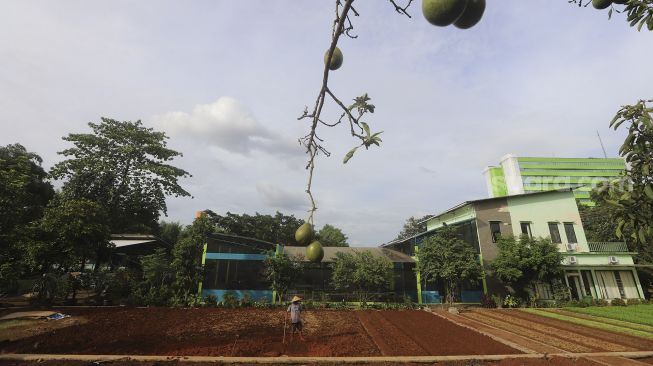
x,y
226,124
279,198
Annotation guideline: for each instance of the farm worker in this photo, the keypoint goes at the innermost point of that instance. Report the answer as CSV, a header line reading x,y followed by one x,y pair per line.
x,y
295,309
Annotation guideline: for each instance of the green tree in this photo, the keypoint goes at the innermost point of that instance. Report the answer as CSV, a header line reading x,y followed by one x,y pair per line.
x,y
155,287
124,167
599,221
632,196
363,273
444,257
281,271
413,226
73,233
187,256
277,229
169,232
24,193
331,236
522,262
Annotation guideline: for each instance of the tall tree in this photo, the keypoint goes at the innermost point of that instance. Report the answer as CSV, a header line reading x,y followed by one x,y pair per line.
x,y
278,229
124,167
331,236
24,193
445,257
632,196
362,273
187,255
281,271
522,262
413,226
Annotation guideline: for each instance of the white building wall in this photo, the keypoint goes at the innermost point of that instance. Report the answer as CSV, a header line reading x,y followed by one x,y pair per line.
x,y
514,182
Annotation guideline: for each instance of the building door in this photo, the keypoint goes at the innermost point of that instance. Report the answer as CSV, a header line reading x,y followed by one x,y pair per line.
x,y
575,287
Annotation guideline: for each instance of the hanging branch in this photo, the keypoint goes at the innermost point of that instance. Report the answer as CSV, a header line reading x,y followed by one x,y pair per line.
x,y
359,129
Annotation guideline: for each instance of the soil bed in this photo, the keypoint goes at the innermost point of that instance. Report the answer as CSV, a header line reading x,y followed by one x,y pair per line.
x,y
254,332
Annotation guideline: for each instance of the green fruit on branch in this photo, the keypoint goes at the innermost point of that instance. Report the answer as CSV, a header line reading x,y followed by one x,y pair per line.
x,y
336,59
443,12
304,234
472,14
315,252
601,4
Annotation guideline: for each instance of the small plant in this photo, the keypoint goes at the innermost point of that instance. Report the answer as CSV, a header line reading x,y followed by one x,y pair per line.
x,y
246,301
488,302
230,299
211,300
511,301
498,300
633,301
618,302
587,301
600,302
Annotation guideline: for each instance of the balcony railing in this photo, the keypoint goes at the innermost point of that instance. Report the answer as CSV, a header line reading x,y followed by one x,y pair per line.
x,y
608,247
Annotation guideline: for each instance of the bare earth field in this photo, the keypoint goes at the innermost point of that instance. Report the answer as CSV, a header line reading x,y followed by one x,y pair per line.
x,y
328,333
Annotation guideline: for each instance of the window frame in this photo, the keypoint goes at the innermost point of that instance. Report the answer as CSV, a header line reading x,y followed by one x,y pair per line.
x,y
557,230
495,234
573,232
529,230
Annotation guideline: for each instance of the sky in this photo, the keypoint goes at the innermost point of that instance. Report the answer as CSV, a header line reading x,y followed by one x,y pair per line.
x,y
226,81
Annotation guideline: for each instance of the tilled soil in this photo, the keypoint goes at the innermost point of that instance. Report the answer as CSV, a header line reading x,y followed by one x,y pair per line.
x,y
254,332
555,361
418,333
629,342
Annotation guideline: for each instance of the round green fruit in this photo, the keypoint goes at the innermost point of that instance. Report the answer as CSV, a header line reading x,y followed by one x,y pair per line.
x,y
472,14
315,252
336,59
443,12
304,234
601,4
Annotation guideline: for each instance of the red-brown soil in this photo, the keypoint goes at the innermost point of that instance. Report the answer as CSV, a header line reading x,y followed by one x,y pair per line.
x,y
636,343
254,332
555,361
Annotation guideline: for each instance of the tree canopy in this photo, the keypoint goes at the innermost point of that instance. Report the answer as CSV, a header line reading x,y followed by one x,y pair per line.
x,y
122,166
362,273
331,236
522,262
447,258
281,271
277,229
413,226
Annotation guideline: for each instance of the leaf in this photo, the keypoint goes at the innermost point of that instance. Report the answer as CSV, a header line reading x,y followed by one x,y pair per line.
x,y
349,155
648,191
614,203
642,234
366,127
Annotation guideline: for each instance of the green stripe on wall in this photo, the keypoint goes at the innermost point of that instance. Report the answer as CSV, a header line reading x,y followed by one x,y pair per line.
x,y
572,166
557,173
572,160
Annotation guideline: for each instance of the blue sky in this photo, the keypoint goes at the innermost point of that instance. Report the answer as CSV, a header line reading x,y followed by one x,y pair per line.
x,y
226,80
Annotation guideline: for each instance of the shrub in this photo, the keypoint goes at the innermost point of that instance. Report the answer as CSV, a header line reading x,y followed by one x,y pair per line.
x,y
246,301
600,302
633,301
498,300
488,302
230,299
211,300
511,301
618,302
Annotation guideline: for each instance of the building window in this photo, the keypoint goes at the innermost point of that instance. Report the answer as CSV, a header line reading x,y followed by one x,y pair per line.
x,y
555,233
495,229
571,234
526,229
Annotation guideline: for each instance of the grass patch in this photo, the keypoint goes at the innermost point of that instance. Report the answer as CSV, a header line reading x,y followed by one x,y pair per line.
x,y
640,314
591,323
5,324
621,323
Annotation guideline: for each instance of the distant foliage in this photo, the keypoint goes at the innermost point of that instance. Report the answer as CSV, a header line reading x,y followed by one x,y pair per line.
x,y
277,229
413,226
281,271
331,236
362,273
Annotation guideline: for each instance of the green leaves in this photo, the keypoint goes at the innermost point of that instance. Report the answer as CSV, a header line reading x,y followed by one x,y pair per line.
x,y
123,166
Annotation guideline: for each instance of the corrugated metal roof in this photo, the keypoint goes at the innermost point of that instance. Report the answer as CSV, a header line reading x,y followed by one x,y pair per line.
x,y
330,253
125,242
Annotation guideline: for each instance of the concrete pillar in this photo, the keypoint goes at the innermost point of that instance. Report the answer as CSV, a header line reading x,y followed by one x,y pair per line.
x,y
419,278
640,290
199,286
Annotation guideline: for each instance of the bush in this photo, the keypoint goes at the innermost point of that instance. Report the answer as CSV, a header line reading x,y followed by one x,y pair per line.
x,y
618,302
633,301
488,302
600,302
511,301
246,301
211,301
588,301
229,299
498,300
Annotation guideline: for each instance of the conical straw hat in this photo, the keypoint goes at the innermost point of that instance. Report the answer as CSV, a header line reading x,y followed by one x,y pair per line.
x,y
296,298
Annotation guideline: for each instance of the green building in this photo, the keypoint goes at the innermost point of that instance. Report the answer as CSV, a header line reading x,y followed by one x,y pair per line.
x,y
519,175
600,270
